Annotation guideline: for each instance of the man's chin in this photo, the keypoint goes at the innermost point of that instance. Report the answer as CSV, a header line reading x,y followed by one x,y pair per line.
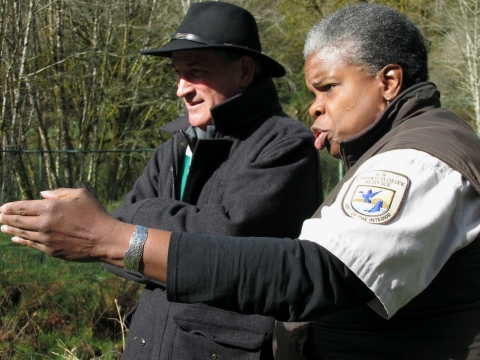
x,y
200,122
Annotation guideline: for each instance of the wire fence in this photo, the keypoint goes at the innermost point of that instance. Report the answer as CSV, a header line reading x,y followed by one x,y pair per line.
x,y
108,174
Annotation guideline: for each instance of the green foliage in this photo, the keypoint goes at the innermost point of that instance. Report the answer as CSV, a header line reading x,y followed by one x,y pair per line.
x,y
83,85
79,81
50,306
332,172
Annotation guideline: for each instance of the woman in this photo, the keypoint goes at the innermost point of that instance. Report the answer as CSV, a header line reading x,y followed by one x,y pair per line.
x,y
387,268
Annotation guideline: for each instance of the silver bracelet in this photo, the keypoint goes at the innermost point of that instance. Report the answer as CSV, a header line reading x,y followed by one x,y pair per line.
x,y
134,253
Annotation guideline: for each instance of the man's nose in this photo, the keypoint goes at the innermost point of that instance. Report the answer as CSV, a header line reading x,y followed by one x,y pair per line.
x,y
183,87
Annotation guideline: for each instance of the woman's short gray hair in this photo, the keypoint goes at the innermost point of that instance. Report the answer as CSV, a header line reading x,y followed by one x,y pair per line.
x,y
372,35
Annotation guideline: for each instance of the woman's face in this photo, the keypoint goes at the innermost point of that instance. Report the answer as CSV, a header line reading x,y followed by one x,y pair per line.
x,y
347,99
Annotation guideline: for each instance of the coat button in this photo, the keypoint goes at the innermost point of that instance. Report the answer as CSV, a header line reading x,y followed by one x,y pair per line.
x,y
142,342
214,356
182,143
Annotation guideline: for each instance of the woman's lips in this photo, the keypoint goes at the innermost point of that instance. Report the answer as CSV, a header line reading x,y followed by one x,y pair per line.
x,y
320,139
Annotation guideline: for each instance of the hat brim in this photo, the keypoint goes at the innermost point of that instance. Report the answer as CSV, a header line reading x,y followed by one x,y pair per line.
x,y
273,67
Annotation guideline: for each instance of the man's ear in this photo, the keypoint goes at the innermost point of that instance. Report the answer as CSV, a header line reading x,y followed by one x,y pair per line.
x,y
392,79
247,66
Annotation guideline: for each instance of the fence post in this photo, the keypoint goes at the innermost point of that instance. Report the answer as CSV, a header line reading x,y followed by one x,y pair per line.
x,y
340,170
40,186
40,171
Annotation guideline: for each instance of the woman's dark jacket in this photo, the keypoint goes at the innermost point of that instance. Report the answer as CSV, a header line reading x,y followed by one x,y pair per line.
x,y
258,176
442,322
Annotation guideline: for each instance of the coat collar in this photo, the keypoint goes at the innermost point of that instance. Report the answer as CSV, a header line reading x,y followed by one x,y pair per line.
x,y
412,102
239,111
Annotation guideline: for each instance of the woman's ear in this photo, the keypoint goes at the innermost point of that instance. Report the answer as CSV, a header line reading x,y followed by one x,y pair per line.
x,y
392,79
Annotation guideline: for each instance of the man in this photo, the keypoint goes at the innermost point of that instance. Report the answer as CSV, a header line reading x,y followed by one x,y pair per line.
x,y
236,165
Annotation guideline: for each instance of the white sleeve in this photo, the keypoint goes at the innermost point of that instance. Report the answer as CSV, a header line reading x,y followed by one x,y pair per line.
x,y
396,223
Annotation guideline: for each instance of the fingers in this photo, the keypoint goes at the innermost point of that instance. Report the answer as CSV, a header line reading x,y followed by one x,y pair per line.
x,y
23,237
21,223
25,242
20,219
36,245
24,208
23,215
37,207
23,218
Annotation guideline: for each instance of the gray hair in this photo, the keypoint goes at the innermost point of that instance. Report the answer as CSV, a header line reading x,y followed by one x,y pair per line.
x,y
373,36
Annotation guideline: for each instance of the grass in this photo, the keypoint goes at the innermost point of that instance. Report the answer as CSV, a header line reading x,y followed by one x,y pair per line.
x,y
53,309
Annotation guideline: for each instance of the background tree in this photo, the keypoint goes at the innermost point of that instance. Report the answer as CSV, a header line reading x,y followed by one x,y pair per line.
x,y
456,56
71,78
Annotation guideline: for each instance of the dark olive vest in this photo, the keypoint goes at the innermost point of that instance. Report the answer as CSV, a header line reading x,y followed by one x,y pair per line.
x,y
443,322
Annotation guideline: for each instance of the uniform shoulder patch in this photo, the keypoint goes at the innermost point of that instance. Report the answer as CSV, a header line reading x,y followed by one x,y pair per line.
x,y
375,196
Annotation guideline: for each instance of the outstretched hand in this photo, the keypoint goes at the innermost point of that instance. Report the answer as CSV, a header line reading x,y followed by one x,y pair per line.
x,y
67,223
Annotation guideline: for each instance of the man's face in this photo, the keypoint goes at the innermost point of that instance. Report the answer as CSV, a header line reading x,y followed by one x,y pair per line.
x,y
205,80
347,99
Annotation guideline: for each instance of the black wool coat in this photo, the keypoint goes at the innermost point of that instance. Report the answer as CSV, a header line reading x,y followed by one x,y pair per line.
x,y
258,176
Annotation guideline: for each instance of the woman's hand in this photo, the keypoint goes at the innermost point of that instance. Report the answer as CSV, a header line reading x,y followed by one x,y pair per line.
x,y
69,224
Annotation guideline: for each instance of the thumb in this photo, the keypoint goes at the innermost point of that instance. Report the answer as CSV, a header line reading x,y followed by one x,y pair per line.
x,y
61,193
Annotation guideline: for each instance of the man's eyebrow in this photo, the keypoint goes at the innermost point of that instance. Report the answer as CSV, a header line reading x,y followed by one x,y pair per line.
x,y
191,62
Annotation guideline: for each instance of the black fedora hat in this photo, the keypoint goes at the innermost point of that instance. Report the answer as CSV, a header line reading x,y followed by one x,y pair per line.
x,y
219,25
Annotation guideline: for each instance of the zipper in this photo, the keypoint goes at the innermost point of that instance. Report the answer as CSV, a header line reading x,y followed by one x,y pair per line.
x,y
172,168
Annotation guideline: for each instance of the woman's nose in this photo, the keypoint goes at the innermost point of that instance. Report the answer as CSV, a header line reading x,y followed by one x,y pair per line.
x,y
316,109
